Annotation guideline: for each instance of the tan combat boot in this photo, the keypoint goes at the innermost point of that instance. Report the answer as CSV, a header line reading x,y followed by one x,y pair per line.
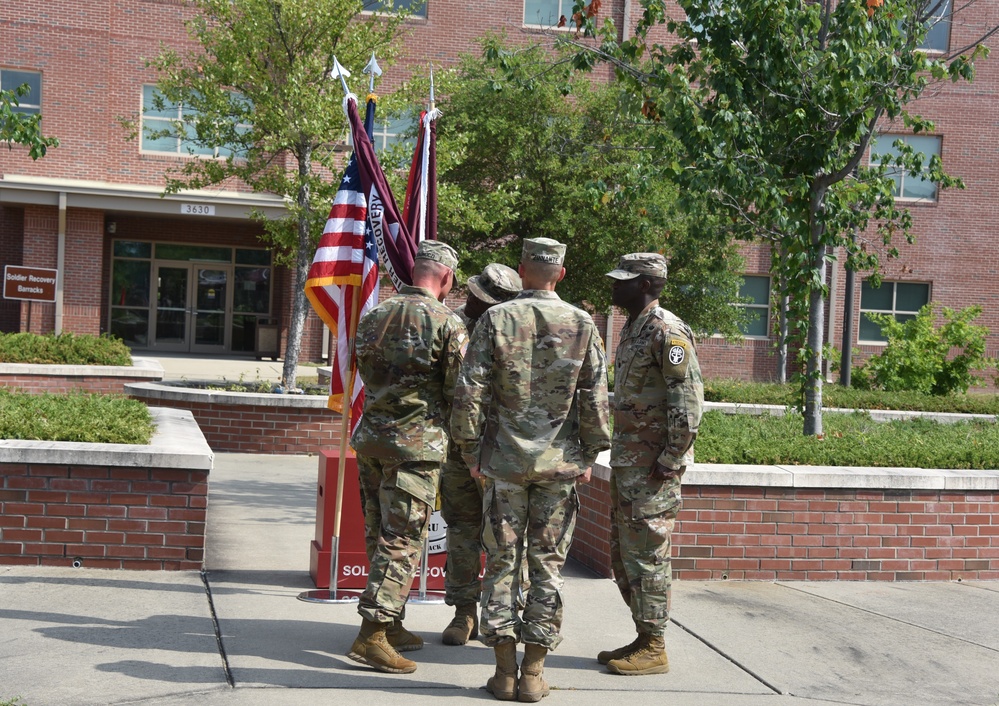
x,y
371,647
503,684
649,658
533,686
463,627
402,639
607,655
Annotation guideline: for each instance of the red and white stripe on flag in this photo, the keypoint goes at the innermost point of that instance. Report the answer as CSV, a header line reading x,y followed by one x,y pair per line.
x,y
346,262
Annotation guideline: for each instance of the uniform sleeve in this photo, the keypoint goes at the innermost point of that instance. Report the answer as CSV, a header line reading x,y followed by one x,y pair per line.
x,y
674,353
472,394
591,398
455,345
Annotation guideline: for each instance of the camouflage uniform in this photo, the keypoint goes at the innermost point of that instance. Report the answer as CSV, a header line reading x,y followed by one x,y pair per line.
x,y
461,495
658,397
409,350
531,412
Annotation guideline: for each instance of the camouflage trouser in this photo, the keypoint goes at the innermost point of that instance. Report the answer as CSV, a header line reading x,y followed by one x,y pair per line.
x,y
643,512
543,514
397,497
461,508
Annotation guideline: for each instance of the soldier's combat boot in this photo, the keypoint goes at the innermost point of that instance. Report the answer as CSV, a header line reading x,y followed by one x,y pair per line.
x,y
649,658
464,625
503,684
402,639
607,655
371,647
533,686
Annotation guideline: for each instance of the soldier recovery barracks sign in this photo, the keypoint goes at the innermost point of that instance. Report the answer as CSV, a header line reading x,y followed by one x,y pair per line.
x,y
29,283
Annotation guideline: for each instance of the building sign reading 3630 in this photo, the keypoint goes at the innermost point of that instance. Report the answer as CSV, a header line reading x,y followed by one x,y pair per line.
x,y
197,209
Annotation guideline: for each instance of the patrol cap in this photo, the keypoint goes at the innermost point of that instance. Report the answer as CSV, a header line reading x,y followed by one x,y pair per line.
x,y
497,283
639,263
544,250
437,251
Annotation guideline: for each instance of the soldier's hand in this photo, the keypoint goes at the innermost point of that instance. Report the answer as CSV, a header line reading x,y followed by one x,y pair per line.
x,y
587,474
475,472
661,472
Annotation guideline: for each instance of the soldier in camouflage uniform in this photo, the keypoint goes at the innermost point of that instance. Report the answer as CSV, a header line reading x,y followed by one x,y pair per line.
x,y
461,495
658,398
409,350
530,416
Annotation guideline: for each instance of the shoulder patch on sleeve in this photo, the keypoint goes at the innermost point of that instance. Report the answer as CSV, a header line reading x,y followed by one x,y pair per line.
x,y
677,358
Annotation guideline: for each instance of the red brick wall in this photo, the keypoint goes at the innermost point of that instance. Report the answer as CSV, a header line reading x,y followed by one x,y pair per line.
x,y
55,383
772,534
261,429
107,517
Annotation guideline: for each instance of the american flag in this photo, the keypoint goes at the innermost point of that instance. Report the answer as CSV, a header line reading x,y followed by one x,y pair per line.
x,y
346,262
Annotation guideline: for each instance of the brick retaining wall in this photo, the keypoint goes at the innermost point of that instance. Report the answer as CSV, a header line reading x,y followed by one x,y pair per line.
x,y
244,422
103,379
108,506
816,534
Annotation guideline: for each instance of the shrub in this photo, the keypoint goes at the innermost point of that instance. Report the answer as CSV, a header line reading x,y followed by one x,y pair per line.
x,y
64,349
917,356
77,416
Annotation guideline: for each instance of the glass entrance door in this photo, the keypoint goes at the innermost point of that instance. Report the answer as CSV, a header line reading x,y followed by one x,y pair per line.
x,y
172,315
192,302
210,296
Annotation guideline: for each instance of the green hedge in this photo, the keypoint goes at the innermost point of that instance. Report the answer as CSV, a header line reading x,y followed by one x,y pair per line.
x,y
64,349
848,440
77,416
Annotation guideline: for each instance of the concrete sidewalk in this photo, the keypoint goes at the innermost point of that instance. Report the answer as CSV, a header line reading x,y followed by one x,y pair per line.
x,y
238,634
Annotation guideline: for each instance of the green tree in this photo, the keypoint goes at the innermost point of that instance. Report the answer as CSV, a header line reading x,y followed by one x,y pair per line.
x,y
526,149
17,128
259,85
775,103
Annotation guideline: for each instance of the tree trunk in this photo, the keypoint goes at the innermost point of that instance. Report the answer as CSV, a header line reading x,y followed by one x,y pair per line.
x,y
816,320
783,301
296,326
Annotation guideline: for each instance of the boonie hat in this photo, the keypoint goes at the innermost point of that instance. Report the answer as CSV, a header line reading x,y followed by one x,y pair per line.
x,y
639,263
497,283
437,251
544,250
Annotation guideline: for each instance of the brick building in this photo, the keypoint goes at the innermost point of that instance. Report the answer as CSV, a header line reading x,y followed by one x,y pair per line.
x,y
186,272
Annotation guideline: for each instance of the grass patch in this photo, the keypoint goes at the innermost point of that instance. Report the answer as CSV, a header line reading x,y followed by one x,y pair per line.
x,y
850,440
837,396
64,349
77,416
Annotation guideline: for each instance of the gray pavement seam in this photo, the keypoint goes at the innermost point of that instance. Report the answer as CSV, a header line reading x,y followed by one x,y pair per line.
x,y
218,631
721,653
888,617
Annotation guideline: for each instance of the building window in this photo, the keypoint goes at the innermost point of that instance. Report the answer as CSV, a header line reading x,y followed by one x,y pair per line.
x,y
417,8
546,13
908,185
938,30
31,102
903,300
754,295
160,116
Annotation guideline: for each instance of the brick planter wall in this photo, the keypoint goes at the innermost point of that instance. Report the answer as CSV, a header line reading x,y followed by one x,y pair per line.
x,y
107,506
105,379
816,534
243,422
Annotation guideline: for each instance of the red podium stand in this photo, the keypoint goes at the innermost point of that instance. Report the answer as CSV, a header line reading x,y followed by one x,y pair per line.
x,y
353,570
